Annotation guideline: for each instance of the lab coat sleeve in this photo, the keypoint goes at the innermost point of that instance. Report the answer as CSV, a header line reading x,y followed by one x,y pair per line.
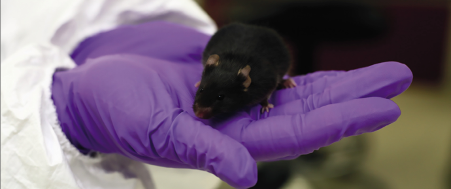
x,y
31,154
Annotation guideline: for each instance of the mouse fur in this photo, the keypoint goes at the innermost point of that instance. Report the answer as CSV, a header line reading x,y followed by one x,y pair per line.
x,y
243,65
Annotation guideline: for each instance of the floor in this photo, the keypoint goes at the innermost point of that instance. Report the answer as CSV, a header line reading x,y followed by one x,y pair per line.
x,y
415,151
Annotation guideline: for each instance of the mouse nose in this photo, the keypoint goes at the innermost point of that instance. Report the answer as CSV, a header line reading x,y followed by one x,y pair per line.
x,y
202,112
203,115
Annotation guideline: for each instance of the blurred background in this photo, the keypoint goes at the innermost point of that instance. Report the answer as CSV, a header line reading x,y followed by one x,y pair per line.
x,y
415,151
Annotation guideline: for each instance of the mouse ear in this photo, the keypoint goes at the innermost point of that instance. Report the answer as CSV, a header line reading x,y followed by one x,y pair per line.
x,y
213,60
245,72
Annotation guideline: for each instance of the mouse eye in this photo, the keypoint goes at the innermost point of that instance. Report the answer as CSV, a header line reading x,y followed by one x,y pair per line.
x,y
201,90
220,97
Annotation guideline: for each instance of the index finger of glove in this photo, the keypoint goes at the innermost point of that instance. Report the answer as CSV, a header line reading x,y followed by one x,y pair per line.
x,y
384,80
312,77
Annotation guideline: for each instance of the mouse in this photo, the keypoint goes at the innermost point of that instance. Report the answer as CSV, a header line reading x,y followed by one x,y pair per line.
x,y
243,65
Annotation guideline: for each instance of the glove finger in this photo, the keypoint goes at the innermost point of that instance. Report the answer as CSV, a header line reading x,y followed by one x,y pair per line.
x,y
385,80
162,40
279,137
312,77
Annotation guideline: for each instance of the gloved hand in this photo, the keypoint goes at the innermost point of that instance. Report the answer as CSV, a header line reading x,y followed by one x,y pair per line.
x,y
325,107
139,104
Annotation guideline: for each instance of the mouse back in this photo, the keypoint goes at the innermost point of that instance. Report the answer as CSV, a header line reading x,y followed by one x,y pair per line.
x,y
253,41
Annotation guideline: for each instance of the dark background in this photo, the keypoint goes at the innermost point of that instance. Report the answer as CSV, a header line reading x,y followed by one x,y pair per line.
x,y
410,32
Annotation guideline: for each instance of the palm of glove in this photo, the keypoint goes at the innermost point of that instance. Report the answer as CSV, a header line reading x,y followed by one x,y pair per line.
x,y
140,106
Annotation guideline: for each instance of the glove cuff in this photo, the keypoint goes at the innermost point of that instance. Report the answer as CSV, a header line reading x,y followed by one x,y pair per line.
x,y
66,116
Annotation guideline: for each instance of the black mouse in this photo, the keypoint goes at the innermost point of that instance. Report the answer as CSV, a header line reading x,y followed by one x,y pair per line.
x,y
243,65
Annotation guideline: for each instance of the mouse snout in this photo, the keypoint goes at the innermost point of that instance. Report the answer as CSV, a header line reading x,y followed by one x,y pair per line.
x,y
202,112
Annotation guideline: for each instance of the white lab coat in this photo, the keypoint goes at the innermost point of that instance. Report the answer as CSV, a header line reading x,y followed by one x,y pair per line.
x,y
36,38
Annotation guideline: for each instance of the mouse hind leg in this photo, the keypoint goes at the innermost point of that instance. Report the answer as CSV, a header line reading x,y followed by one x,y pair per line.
x,y
266,105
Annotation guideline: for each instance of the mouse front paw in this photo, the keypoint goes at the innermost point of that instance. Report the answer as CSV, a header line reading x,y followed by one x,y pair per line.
x,y
267,107
289,83
197,84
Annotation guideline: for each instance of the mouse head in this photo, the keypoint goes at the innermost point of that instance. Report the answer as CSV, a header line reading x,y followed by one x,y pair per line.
x,y
223,87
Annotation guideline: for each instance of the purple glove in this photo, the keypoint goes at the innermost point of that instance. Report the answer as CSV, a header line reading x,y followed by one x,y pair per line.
x,y
324,107
139,104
